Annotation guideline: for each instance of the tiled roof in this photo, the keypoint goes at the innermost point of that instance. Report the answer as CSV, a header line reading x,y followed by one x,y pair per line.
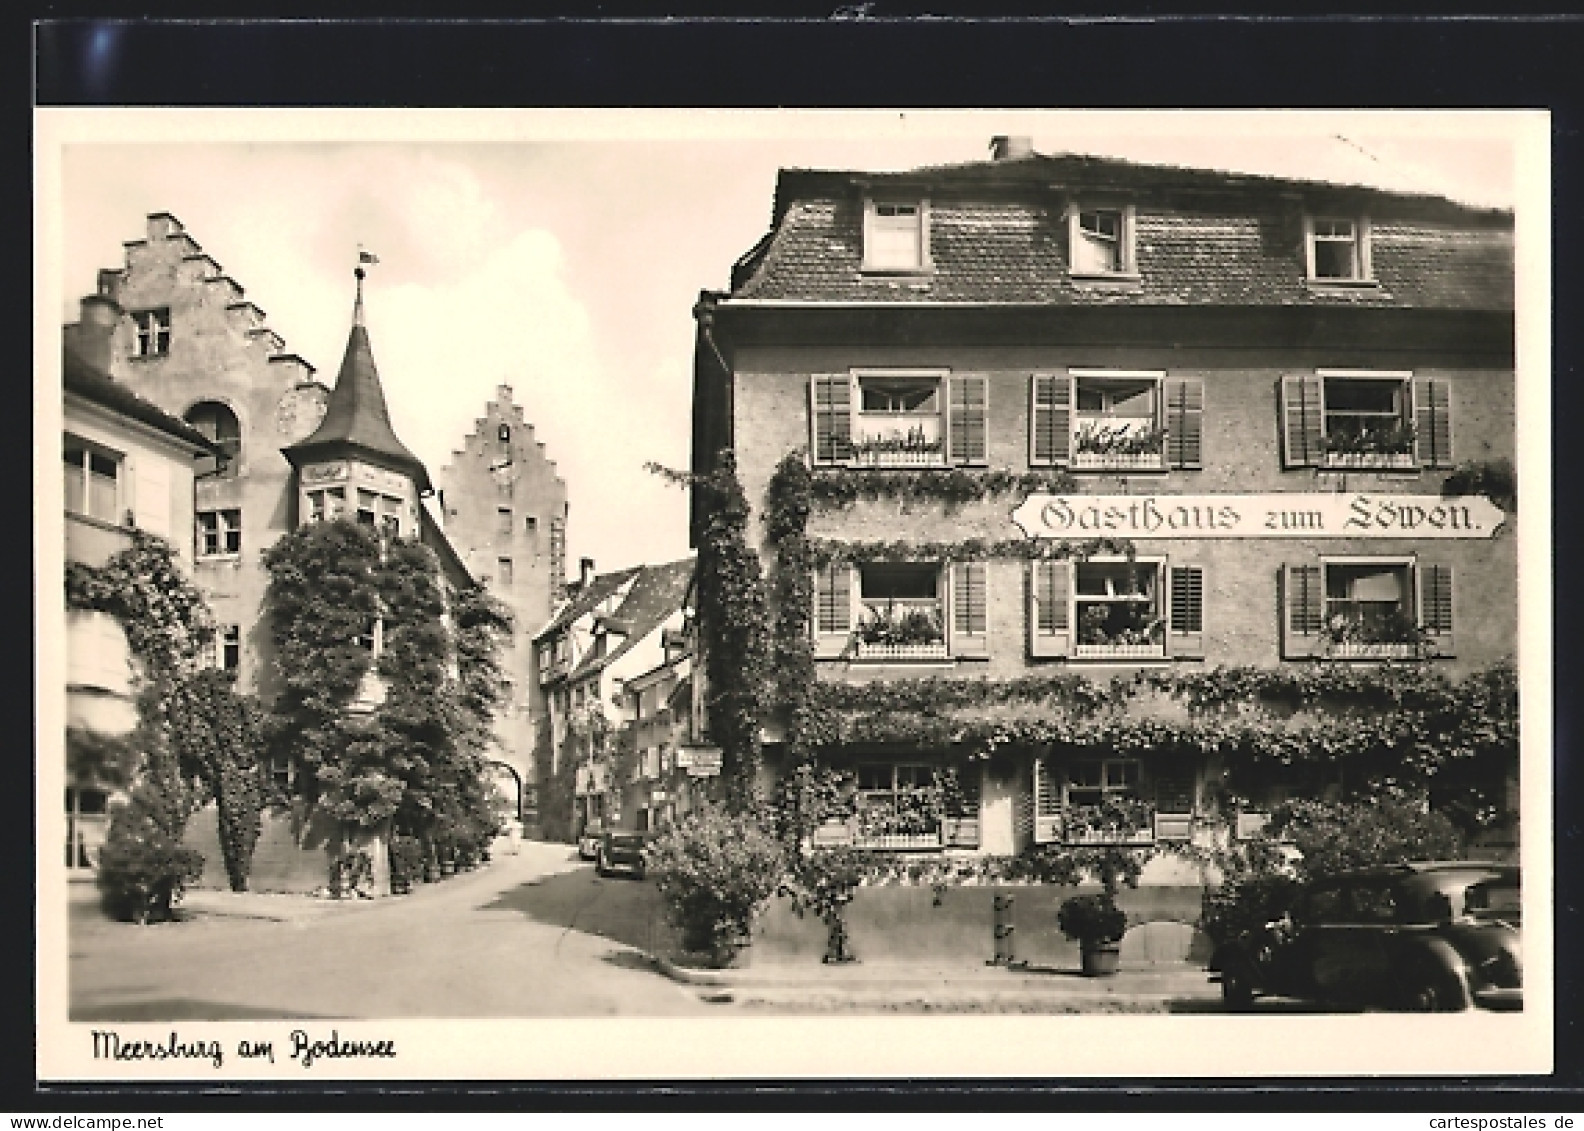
x,y
356,415
81,379
998,234
600,587
657,593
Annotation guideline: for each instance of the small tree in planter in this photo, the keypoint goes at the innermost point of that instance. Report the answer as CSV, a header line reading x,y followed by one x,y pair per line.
x,y
406,863
1097,924
823,883
716,870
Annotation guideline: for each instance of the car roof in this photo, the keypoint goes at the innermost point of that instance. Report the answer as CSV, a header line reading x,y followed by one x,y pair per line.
x,y
1423,867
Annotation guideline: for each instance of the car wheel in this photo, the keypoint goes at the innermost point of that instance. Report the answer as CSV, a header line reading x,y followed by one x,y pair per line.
x,y
638,870
601,865
1237,993
1429,995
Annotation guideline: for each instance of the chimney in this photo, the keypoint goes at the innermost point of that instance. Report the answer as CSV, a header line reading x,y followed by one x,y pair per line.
x,y
1004,148
95,327
585,572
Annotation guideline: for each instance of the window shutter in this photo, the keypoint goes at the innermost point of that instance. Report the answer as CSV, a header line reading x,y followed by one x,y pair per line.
x,y
1047,804
1302,421
967,427
830,414
1433,421
970,609
1050,419
1050,630
152,496
1303,610
1185,423
1435,607
1185,612
833,590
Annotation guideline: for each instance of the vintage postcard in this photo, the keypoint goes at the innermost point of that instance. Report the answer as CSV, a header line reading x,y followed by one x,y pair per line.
x,y
550,595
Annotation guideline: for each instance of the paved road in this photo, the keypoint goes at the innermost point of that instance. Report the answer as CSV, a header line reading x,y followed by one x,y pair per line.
x,y
498,942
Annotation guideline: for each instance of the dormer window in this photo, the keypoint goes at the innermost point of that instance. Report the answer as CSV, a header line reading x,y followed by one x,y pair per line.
x,y
1337,249
896,235
1101,241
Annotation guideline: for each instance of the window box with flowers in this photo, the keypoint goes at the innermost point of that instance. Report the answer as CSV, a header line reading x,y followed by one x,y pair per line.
x,y
1116,820
901,632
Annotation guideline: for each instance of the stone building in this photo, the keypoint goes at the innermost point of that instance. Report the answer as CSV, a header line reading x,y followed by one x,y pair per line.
x,y
504,508
1075,416
295,451
613,628
129,466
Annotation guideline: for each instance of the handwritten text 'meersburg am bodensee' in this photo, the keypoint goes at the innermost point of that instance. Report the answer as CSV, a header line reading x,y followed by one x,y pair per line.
x,y
306,1050
1289,515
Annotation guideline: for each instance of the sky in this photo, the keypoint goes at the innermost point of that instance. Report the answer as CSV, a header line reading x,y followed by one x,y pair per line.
x,y
562,252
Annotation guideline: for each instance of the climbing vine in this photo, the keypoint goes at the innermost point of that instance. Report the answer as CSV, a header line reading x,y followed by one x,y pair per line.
x,y
731,611
823,551
166,620
841,487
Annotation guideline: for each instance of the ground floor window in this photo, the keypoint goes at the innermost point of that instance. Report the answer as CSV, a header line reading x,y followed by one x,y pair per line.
x,y
87,818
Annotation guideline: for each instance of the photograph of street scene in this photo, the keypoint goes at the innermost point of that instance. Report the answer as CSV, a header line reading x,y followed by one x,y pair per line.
x,y
1031,567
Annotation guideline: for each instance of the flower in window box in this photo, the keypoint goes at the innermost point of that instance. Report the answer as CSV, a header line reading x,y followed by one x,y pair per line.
x,y
1388,438
1120,440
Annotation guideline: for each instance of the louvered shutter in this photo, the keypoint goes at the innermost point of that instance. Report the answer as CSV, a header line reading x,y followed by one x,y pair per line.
x,y
1435,607
1050,630
833,617
1185,611
968,420
1303,610
1047,803
1433,421
970,609
1050,419
830,415
1175,787
1303,422
152,496
1185,423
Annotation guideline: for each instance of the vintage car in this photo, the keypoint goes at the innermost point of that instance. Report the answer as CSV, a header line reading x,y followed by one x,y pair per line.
x,y
589,840
622,849
1432,936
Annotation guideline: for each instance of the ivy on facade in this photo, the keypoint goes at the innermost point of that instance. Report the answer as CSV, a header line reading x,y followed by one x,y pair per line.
x,y
416,757
731,610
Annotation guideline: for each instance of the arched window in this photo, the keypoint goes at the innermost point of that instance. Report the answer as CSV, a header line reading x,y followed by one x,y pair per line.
x,y
503,433
219,424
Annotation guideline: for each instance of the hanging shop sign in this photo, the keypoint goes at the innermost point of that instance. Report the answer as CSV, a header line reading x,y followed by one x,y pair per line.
x,y
699,761
1291,515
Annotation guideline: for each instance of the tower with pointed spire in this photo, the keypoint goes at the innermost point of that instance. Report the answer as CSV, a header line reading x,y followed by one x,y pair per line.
x,y
353,465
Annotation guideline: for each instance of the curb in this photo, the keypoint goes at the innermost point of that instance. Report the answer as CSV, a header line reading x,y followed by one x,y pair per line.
x,y
688,975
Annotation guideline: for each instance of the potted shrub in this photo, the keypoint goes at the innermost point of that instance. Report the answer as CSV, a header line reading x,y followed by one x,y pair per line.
x,y
1097,924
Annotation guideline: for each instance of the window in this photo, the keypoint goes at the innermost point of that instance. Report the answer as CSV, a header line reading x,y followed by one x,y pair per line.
x,y
1095,781
228,648
889,809
1338,250
390,516
326,504
92,480
557,551
503,521
1353,418
219,532
505,488
283,773
371,638
367,507
503,433
1099,609
896,236
153,332
1116,420
1367,608
1101,241
503,571
530,524
919,418
899,611
219,424
1118,609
